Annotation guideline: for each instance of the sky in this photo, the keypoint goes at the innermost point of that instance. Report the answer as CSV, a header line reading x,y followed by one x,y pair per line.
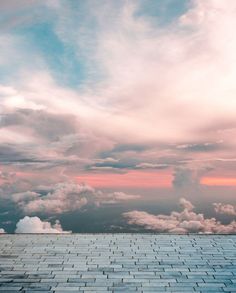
x,y
117,116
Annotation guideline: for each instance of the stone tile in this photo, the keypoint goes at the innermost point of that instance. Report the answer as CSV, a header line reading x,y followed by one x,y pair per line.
x,y
118,263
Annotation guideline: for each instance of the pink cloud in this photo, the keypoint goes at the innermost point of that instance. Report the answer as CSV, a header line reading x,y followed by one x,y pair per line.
x,y
225,209
186,221
67,196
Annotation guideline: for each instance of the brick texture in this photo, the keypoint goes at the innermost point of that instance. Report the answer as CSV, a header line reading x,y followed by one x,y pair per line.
x,y
118,263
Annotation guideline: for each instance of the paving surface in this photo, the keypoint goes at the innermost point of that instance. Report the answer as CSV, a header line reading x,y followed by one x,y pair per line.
x,y
117,263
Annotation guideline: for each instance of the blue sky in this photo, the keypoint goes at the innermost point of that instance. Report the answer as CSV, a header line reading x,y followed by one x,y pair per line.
x,y
41,32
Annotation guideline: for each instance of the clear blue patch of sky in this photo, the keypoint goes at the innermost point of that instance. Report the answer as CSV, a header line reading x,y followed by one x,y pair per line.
x,y
162,12
60,58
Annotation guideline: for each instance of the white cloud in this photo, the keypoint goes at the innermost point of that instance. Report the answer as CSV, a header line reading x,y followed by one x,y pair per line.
x,y
185,221
35,225
2,231
226,209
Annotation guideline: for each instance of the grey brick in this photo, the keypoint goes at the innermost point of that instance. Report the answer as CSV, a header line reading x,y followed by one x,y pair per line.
x,y
118,263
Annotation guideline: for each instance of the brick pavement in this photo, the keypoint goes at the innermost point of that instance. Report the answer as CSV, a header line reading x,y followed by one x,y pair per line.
x,y
117,263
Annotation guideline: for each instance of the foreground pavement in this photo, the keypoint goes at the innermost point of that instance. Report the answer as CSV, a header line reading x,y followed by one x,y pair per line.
x,y
117,263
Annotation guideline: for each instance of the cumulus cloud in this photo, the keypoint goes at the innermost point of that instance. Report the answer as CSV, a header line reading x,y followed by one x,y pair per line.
x,y
186,221
63,197
66,196
186,204
2,231
184,178
225,209
35,225
24,196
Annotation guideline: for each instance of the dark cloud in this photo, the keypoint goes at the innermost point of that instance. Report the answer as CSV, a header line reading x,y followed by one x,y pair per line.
x,y
120,149
56,140
200,147
189,179
129,147
10,153
125,164
44,124
183,178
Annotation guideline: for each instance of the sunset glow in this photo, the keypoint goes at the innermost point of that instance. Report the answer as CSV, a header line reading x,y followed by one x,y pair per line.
x,y
135,179
214,181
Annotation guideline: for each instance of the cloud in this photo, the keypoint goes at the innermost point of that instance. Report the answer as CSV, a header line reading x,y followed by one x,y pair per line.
x,y
64,197
35,225
186,204
117,197
123,54
125,43
2,231
151,166
225,209
24,196
186,221
46,125
200,147
6,175
189,179
15,5
184,178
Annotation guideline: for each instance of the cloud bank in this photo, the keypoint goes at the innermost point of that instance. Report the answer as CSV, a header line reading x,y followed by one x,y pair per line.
x,y
186,221
66,197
